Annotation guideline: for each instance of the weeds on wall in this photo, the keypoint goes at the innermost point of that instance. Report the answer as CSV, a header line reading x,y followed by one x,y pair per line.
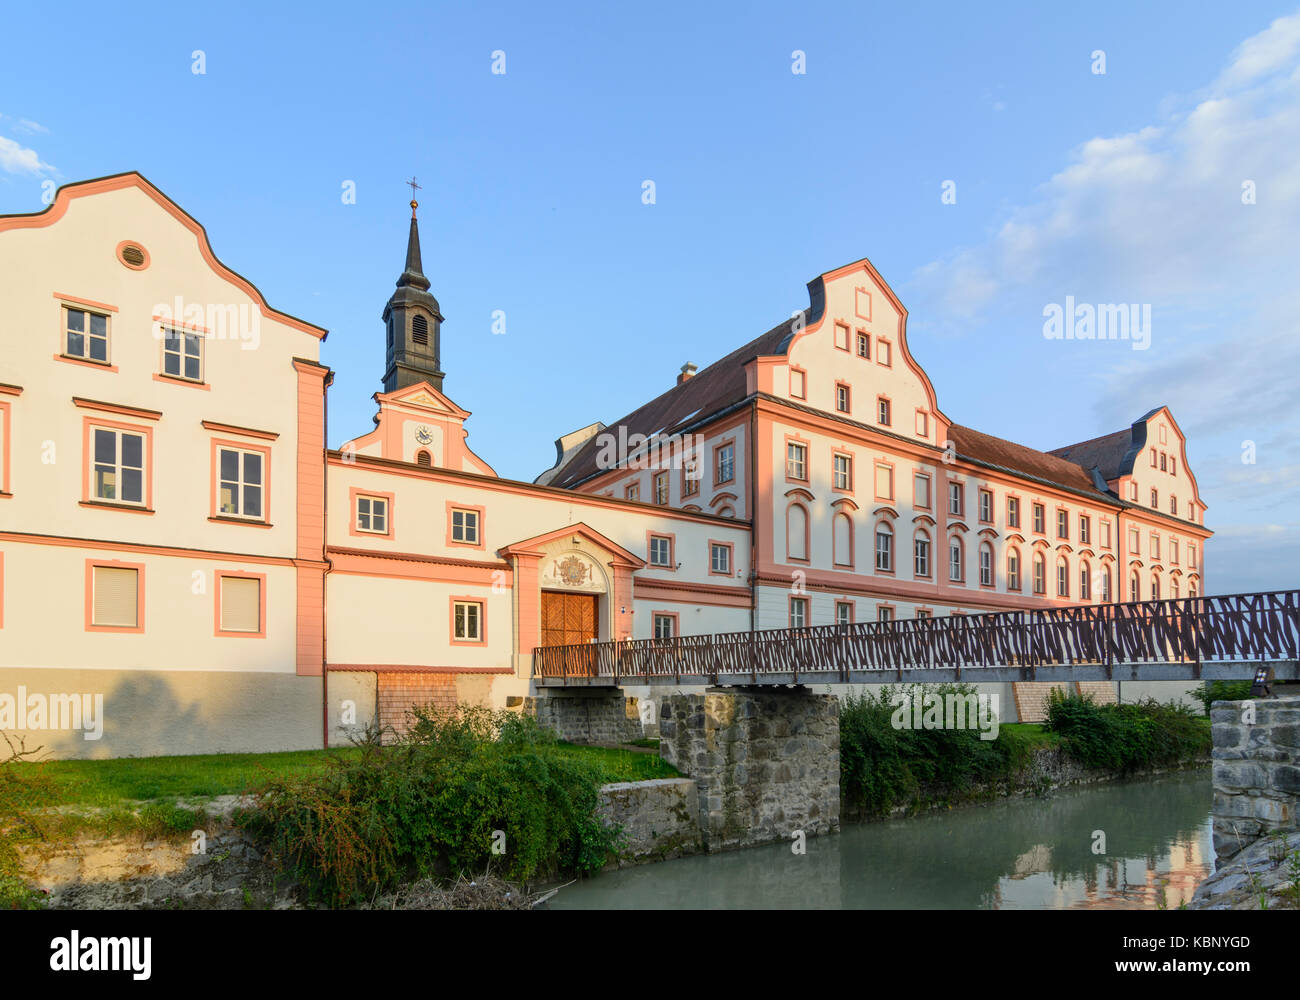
x,y
464,790
1126,737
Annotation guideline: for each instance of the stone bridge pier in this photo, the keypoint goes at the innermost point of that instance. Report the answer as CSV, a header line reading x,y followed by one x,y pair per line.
x,y
1256,770
766,761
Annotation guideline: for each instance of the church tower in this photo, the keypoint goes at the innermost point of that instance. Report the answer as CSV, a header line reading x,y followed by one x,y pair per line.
x,y
413,324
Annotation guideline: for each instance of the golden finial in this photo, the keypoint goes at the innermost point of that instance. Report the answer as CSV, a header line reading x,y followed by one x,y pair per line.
x,y
414,187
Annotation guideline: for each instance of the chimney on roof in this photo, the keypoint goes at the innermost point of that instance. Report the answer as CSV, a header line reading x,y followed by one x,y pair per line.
x,y
688,370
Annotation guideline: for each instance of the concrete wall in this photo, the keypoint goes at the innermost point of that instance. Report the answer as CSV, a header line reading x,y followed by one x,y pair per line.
x,y
1256,770
154,712
767,762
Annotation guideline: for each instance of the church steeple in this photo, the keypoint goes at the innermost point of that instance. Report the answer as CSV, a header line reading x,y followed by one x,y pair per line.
x,y
413,322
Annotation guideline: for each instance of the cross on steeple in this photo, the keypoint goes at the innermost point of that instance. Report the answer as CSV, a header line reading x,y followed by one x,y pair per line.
x,y
414,187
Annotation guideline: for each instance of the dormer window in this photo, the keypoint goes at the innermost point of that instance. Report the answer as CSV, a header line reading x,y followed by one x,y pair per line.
x,y
420,331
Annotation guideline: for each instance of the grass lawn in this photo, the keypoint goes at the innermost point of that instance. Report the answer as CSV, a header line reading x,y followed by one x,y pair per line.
x,y
1035,734
109,783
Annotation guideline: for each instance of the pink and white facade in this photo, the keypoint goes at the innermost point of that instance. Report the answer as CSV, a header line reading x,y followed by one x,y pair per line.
x,y
176,538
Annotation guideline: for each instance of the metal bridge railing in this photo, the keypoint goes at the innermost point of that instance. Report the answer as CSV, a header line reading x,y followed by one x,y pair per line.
x,y
1188,630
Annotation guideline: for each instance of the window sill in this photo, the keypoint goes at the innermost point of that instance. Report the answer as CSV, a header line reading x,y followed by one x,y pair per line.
x,y
108,505
249,522
88,362
234,634
177,380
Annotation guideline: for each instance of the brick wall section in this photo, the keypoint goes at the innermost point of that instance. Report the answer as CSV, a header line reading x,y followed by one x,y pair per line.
x,y
399,691
1256,771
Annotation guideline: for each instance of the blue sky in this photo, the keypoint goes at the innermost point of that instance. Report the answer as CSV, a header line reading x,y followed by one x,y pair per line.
x,y
1115,188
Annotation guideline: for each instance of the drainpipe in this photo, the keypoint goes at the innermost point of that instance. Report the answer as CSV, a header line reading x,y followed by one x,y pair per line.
x,y
752,499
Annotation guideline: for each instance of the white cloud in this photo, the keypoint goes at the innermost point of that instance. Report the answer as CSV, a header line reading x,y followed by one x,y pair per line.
x,y
16,159
1157,216
28,127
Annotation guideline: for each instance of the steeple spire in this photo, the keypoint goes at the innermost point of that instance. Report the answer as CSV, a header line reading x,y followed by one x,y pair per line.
x,y
413,320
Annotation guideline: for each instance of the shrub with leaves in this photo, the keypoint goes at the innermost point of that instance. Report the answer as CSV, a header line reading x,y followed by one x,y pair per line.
x,y
1126,737
430,804
24,791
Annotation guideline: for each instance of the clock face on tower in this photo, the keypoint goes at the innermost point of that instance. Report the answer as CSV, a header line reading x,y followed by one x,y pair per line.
x,y
423,434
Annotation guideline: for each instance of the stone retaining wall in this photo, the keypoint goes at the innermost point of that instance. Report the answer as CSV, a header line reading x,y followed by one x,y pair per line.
x,y
1256,770
587,715
658,818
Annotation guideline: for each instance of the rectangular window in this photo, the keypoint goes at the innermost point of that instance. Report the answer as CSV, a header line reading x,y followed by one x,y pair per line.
x,y
1191,555
720,559
1155,546
843,612
864,345
954,561
241,483
986,506
1085,529
1062,524
118,465
665,626
1134,540
632,491
1164,462
885,614
464,526
798,612
691,477
1013,512
1173,504
921,554
1105,534
882,352
467,621
843,472
661,488
956,499
661,551
842,398
842,336
1173,466
372,515
1133,491
239,600
796,461
798,384
183,354
884,550
115,597
986,566
1039,515
921,491
726,461
1173,551
1155,499
922,424
923,615
882,412
85,334
1153,458
1062,580
884,482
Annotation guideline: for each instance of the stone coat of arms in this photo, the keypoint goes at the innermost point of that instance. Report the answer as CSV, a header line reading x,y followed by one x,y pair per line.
x,y
572,571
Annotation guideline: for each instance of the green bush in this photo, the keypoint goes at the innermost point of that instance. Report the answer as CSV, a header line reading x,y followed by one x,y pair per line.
x,y
25,791
428,806
1126,737
883,767
1212,691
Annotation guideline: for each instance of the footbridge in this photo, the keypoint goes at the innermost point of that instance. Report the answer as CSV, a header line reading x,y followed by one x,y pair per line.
x,y
1197,638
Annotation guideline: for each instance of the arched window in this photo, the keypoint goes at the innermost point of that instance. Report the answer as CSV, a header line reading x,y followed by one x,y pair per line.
x,y
1062,578
1040,574
986,565
1013,569
796,531
1105,585
884,547
1173,588
1155,588
921,551
1191,591
842,532
1133,593
954,558
1085,582
422,457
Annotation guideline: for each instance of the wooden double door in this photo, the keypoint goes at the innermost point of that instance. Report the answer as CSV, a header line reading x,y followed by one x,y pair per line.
x,y
568,618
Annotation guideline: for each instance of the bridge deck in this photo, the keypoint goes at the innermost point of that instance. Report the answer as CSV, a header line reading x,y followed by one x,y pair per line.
x,y
1201,638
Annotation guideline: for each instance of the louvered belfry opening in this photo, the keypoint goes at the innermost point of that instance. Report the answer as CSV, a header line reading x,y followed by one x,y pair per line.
x,y
133,255
420,331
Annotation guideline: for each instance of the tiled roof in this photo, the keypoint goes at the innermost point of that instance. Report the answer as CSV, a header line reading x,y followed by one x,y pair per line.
x,y
1017,458
1106,453
709,391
